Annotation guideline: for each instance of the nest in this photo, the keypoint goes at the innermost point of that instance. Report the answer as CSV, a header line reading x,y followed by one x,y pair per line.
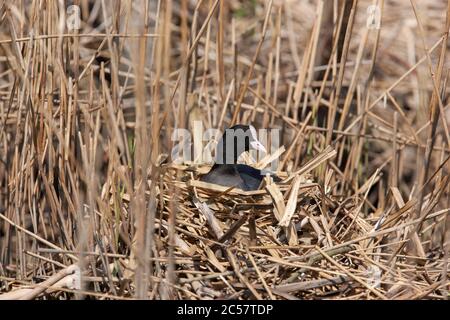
x,y
287,240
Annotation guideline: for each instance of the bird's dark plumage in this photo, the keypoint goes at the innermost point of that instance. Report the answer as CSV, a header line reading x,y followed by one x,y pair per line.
x,y
231,174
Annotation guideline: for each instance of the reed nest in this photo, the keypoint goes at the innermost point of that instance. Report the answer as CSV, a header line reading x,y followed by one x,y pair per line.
x,y
92,205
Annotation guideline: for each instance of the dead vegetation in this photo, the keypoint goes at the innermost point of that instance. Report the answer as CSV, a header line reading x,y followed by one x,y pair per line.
x,y
91,204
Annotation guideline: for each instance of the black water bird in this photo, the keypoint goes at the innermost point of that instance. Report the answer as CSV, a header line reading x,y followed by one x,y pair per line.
x,y
226,171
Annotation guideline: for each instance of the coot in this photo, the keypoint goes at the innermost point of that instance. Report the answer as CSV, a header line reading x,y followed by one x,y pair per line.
x,y
226,171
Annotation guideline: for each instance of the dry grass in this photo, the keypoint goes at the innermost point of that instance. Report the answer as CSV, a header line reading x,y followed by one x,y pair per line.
x,y
86,118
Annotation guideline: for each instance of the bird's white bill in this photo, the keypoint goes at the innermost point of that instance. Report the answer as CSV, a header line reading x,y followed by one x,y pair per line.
x,y
255,144
258,146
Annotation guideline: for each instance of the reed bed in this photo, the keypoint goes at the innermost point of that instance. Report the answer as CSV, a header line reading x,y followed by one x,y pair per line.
x,y
93,206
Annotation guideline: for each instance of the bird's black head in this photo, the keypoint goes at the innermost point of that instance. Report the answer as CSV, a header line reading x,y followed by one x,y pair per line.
x,y
236,140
